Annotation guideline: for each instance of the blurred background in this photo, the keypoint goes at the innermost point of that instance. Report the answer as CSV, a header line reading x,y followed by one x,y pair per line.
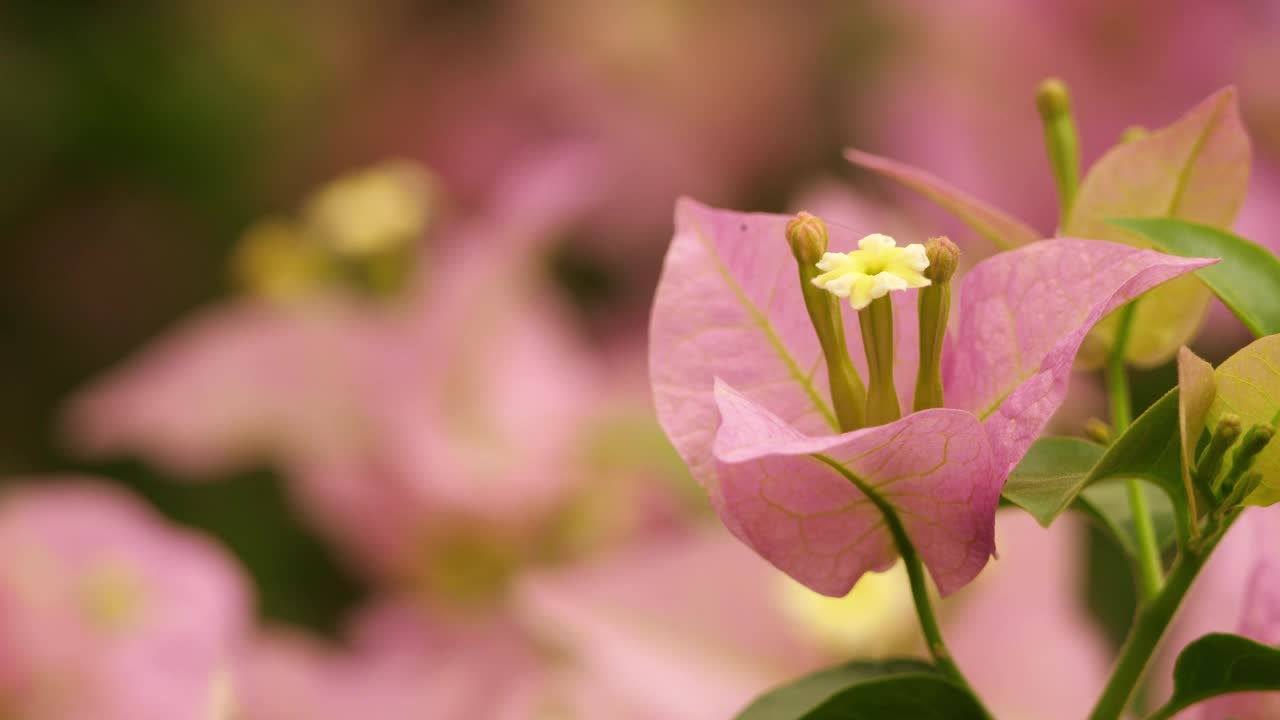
x,y
360,289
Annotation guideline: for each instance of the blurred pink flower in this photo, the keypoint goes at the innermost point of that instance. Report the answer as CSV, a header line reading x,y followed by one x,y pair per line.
x,y
693,614
1238,592
109,612
656,87
1021,632
1143,62
729,314
465,400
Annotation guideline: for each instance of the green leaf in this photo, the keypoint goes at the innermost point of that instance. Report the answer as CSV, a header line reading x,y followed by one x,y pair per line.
x,y
1056,471
1055,475
1195,169
1003,230
1247,280
1220,664
919,697
1249,386
1051,476
796,699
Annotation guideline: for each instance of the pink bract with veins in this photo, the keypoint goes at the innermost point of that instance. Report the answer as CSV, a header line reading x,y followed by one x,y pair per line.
x,y
737,378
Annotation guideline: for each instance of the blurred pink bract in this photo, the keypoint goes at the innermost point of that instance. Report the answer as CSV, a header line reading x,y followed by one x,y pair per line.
x,y
110,612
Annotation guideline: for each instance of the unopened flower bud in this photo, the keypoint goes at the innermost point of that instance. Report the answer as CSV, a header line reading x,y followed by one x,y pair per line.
x,y
1052,98
1253,443
943,256
1061,140
1098,431
1241,489
807,235
1133,133
933,308
1210,462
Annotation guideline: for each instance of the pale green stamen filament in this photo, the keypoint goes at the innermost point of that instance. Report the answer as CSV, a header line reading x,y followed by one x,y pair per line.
x,y
872,271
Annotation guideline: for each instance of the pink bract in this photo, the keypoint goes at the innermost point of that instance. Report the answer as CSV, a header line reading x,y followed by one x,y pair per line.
x,y
737,379
109,612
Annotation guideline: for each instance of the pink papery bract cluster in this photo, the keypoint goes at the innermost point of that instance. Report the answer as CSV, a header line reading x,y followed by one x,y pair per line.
x,y
110,613
465,398
738,382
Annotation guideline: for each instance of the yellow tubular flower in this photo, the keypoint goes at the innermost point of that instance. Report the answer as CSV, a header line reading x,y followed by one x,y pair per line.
x,y
877,267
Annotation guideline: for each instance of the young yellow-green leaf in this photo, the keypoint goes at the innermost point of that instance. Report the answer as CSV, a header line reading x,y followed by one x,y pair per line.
x,y
796,699
1196,169
1196,390
1220,664
1003,230
1247,280
1249,386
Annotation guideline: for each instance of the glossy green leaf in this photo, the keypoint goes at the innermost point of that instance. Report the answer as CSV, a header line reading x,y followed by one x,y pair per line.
x,y
796,699
1054,473
1196,169
919,697
1051,476
1247,280
1220,664
1249,386
1003,230
1055,476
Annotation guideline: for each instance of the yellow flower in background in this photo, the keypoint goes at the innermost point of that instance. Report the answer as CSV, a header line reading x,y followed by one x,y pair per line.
x,y
876,619
359,231
273,259
377,210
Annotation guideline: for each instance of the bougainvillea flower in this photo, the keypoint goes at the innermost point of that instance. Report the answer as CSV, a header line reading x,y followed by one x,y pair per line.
x,y
732,362
109,612
379,431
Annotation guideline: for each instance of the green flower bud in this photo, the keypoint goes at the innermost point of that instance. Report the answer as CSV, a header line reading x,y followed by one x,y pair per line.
x,y
1210,462
1061,140
943,256
807,235
933,307
1133,133
1098,431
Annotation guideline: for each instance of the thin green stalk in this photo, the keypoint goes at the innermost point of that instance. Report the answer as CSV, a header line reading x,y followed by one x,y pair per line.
x,y
915,574
1150,567
1148,629
876,322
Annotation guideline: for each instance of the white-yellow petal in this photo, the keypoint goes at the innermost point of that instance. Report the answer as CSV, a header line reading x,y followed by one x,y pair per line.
x,y
875,269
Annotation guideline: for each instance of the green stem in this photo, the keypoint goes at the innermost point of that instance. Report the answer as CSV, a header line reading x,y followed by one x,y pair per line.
x,y
848,396
934,306
876,322
1148,628
1061,141
915,573
1150,567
